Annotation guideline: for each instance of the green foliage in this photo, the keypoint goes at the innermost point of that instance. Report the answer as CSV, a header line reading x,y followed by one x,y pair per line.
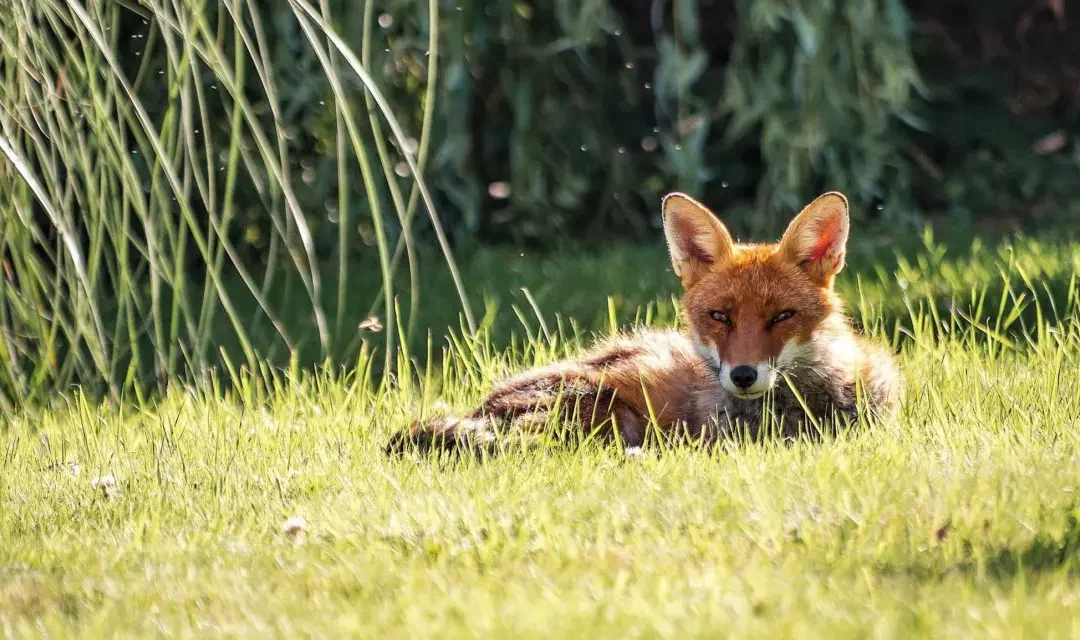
x,y
827,85
534,110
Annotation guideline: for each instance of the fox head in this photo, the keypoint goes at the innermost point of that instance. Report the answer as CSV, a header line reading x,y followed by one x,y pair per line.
x,y
753,308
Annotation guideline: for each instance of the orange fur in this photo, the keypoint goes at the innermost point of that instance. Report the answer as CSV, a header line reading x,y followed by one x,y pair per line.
x,y
766,307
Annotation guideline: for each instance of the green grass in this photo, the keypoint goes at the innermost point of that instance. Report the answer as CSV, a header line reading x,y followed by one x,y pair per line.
x,y
959,519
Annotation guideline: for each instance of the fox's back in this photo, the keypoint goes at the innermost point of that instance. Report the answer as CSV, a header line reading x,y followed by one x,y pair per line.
x,y
656,373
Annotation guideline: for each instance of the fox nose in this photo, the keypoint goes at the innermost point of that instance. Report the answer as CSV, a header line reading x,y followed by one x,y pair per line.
x,y
744,376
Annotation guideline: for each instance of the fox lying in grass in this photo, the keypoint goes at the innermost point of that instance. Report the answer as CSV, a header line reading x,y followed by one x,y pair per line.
x,y
766,334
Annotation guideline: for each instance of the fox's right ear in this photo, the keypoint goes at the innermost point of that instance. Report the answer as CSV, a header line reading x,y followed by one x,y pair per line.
x,y
816,239
695,236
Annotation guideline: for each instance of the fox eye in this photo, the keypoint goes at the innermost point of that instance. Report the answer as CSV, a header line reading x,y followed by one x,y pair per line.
x,y
780,317
720,316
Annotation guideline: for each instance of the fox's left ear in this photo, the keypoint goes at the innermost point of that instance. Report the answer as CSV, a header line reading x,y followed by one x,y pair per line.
x,y
696,238
816,239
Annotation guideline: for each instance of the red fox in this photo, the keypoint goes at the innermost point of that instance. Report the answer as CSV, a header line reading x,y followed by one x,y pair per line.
x,y
765,334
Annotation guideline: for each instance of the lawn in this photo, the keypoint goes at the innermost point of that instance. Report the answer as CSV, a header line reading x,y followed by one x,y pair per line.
x,y
272,511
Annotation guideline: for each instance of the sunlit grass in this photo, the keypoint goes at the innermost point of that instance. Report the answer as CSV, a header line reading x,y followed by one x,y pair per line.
x,y
959,519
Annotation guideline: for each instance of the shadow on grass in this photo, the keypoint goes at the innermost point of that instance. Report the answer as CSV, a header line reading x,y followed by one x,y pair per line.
x,y
1045,553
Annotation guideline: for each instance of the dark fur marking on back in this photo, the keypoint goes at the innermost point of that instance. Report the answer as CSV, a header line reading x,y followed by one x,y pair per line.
x,y
611,357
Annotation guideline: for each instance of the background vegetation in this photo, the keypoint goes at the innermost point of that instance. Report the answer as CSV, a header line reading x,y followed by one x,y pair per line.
x,y
187,186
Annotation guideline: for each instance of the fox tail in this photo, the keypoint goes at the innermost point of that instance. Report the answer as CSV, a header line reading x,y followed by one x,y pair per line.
x,y
444,433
